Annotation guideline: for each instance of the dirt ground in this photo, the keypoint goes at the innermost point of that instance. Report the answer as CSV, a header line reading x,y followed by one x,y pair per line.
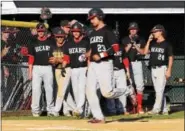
x,y
82,125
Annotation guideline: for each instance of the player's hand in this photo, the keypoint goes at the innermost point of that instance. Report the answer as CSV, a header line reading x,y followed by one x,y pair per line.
x,y
63,72
168,74
96,57
150,38
5,50
6,72
53,60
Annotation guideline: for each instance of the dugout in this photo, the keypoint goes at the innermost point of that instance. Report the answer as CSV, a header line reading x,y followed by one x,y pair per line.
x,y
118,16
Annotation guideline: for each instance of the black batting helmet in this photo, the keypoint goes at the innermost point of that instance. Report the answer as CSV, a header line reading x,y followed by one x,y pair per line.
x,y
41,27
77,27
58,32
158,28
133,25
96,12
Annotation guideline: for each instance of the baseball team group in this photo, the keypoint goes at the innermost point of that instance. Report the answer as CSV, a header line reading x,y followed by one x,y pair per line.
x,y
96,64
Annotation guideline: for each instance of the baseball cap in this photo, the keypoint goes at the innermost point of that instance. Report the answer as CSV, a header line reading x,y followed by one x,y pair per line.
x,y
65,23
58,32
133,25
14,29
158,27
5,29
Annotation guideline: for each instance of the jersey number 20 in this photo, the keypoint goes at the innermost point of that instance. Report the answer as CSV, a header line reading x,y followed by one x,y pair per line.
x,y
101,48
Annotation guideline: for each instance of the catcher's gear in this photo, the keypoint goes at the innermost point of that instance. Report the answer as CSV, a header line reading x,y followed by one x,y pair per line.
x,y
41,27
63,72
96,12
77,27
158,28
133,25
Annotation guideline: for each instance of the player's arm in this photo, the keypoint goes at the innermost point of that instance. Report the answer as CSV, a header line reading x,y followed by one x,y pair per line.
x,y
140,49
170,62
147,46
114,45
30,60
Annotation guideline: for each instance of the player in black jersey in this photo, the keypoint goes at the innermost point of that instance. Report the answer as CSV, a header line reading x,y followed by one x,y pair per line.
x,y
60,60
103,44
40,69
134,46
161,61
78,48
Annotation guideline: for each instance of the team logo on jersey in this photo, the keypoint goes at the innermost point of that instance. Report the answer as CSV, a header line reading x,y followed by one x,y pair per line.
x,y
77,50
58,54
42,48
96,39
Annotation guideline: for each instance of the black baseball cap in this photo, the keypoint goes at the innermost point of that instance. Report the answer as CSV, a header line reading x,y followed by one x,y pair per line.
x,y
14,29
65,23
58,32
41,27
158,27
5,29
133,25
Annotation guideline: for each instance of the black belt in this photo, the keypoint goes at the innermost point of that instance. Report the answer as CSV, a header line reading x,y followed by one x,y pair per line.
x,y
154,67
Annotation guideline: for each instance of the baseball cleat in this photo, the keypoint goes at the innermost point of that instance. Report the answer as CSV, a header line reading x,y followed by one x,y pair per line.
x,y
76,114
36,114
96,121
67,114
153,113
126,113
165,113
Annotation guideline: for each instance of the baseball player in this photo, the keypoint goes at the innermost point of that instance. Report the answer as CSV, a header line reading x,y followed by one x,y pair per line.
x,y
161,61
100,71
40,70
77,49
134,46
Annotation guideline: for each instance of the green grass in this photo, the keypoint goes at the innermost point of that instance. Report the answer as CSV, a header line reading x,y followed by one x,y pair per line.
x,y
176,115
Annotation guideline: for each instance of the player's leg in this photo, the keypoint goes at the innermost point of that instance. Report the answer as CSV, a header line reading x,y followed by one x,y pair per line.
x,y
48,85
81,89
63,83
36,90
159,81
121,83
75,75
104,74
91,93
139,81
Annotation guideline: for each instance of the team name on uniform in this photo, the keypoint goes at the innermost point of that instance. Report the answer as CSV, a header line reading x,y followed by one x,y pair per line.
x,y
158,50
96,39
77,50
42,48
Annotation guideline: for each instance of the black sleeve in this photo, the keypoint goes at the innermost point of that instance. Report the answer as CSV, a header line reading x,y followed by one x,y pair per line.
x,y
124,41
66,48
143,43
111,38
88,45
170,50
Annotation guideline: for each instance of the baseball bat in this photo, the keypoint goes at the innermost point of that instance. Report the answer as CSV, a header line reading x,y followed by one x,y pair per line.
x,y
10,97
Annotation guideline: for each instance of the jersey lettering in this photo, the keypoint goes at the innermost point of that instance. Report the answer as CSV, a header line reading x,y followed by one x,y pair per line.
x,y
42,48
77,50
158,50
96,39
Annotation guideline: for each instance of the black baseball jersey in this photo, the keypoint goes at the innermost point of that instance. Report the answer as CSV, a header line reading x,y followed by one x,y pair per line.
x,y
159,53
133,54
41,50
77,49
59,52
101,40
118,59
